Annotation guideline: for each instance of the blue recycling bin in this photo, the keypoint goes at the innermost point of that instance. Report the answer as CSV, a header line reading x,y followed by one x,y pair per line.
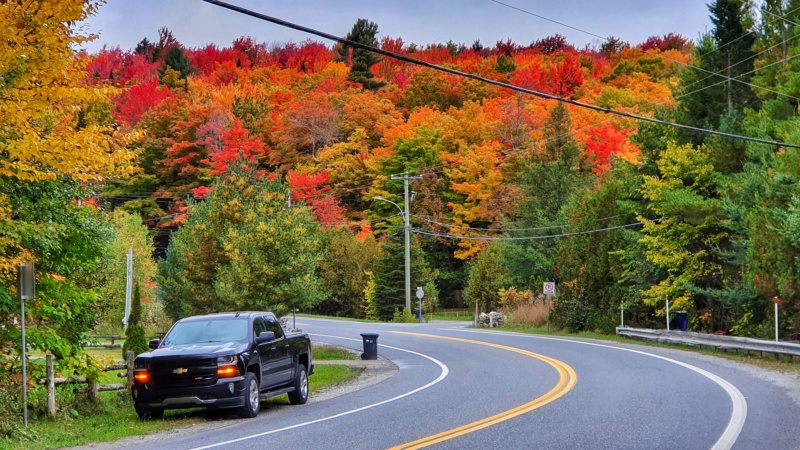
x,y
370,345
681,319
418,313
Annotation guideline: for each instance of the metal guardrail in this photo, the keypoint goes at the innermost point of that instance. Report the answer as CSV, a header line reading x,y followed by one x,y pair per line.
x,y
749,346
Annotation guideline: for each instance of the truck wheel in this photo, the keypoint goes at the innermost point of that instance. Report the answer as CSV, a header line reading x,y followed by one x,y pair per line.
x,y
300,393
252,403
152,414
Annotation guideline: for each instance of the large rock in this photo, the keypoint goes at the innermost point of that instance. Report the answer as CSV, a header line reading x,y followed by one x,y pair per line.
x,y
491,320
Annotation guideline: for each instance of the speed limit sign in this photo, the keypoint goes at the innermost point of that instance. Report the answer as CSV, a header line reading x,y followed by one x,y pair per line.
x,y
549,288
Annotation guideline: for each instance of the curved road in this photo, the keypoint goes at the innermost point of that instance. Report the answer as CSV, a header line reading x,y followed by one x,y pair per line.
x,y
462,388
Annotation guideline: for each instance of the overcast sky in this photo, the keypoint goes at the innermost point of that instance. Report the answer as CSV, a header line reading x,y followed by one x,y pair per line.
x,y
195,23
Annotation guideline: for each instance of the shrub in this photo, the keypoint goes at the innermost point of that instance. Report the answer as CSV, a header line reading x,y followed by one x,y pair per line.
x,y
135,340
533,314
403,316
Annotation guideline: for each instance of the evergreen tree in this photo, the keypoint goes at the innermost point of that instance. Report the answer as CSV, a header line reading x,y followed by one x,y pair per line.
x,y
547,180
360,60
176,65
135,339
735,55
719,84
777,69
389,292
589,267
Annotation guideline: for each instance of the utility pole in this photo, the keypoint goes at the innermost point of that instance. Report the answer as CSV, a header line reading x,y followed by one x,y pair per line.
x,y
128,287
407,228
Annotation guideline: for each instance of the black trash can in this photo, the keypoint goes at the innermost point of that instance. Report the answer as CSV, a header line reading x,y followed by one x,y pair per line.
x,y
370,345
681,319
418,314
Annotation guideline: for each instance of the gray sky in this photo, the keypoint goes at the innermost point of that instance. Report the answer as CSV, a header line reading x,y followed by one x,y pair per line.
x,y
195,23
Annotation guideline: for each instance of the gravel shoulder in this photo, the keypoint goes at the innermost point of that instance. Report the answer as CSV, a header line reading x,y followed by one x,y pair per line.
x,y
372,372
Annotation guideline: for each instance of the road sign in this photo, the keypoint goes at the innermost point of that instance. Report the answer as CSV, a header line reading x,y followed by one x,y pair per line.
x,y
549,288
420,292
27,275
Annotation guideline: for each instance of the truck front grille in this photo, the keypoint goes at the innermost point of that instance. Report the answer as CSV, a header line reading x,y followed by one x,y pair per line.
x,y
184,372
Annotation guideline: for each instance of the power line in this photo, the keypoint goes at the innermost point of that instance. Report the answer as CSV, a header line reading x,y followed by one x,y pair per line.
x,y
691,66
521,238
505,230
487,80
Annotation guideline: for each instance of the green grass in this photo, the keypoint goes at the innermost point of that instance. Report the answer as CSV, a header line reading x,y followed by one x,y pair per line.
x,y
113,417
462,315
329,352
329,375
319,316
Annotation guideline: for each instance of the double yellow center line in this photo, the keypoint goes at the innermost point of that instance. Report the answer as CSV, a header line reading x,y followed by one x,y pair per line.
x,y
567,380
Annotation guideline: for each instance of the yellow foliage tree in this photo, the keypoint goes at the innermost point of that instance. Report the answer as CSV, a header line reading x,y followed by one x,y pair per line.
x,y
42,96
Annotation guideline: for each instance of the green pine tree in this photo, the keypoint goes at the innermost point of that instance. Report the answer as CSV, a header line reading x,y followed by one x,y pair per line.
x,y
719,85
389,294
135,339
360,60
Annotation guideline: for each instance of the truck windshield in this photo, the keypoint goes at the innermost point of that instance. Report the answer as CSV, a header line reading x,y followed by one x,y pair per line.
x,y
198,332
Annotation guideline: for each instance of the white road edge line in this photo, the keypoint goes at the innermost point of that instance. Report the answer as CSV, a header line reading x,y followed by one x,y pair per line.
x,y
442,376
739,409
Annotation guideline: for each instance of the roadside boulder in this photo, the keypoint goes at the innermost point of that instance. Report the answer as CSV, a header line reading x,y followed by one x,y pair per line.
x,y
491,320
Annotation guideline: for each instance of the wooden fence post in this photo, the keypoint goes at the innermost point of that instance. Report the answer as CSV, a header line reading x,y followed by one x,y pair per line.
x,y
93,390
129,366
51,387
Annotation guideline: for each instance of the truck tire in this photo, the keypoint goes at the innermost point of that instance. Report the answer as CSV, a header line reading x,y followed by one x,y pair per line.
x,y
252,402
299,395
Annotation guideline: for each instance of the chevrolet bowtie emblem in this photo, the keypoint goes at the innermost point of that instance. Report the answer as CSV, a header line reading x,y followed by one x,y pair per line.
x,y
180,371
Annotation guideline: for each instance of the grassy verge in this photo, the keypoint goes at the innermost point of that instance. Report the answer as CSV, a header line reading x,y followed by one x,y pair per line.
x,y
113,417
319,316
461,315
330,353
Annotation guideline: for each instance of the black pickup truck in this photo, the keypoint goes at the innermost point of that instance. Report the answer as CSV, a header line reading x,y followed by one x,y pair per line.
x,y
227,360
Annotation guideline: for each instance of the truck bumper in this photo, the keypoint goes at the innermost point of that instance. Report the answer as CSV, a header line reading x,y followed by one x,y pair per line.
x,y
226,393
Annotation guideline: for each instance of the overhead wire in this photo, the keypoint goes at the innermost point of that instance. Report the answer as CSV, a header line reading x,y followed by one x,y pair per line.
x,y
505,85
521,238
415,61
691,66
504,230
368,181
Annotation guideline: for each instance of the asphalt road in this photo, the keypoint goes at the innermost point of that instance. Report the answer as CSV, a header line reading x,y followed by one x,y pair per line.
x,y
459,388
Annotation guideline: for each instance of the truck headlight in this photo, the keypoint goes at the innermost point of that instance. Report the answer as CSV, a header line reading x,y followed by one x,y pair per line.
x,y
227,366
227,359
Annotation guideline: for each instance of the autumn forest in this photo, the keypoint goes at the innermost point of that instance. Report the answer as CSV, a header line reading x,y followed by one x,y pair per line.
x,y
271,177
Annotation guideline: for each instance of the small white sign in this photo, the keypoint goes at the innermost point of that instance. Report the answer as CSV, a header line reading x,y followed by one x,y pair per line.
x,y
549,288
420,292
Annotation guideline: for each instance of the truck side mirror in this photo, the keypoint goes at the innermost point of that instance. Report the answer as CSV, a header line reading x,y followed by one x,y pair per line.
x,y
265,336
154,343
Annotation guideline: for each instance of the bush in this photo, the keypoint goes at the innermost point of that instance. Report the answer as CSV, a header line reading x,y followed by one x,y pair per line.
x,y
135,339
403,316
10,404
526,315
